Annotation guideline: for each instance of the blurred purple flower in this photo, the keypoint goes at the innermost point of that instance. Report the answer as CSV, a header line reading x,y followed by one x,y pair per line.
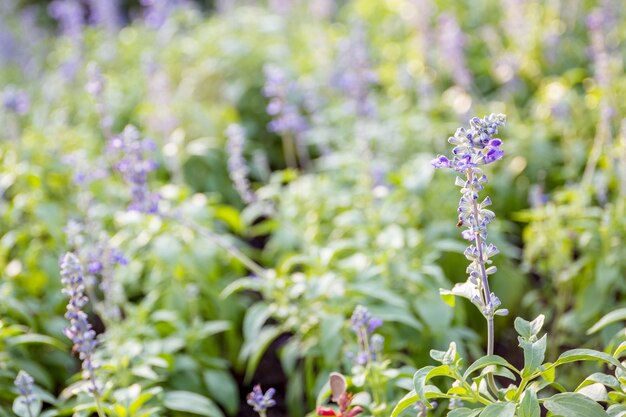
x,y
15,100
70,16
452,42
355,75
80,331
364,325
105,13
279,89
237,167
129,148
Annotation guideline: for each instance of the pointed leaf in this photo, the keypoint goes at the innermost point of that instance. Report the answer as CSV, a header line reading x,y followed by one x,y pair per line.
x,y
534,354
529,406
408,400
486,361
572,404
191,402
612,317
575,355
419,383
499,410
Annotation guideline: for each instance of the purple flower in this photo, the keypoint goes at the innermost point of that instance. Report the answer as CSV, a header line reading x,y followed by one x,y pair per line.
x,y
364,324
286,115
15,100
80,331
70,16
156,12
130,150
259,401
355,75
473,147
24,383
237,167
440,162
452,43
105,13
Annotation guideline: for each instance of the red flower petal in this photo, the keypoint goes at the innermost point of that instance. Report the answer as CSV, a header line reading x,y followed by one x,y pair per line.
x,y
323,411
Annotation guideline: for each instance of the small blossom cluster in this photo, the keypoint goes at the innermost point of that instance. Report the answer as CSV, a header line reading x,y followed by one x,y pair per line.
x,y
280,90
260,401
474,147
24,383
237,167
135,167
92,245
80,331
370,344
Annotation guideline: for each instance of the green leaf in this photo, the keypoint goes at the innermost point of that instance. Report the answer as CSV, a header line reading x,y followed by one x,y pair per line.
x,y
32,338
499,410
617,410
330,338
487,361
22,410
222,387
575,355
408,400
464,412
534,354
619,350
572,404
612,317
529,406
419,382
598,377
263,341
529,329
191,402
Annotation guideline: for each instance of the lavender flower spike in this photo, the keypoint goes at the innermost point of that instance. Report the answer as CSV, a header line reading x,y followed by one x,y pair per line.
x,y
237,168
24,383
80,331
130,148
259,401
474,147
364,325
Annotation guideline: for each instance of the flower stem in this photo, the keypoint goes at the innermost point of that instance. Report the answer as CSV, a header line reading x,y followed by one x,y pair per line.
x,y
485,286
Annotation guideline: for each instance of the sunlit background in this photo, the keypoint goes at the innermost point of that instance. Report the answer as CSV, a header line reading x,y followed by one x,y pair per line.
x,y
276,174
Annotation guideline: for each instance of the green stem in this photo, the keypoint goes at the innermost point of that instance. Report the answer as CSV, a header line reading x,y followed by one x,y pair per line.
x,y
101,412
227,246
289,151
486,290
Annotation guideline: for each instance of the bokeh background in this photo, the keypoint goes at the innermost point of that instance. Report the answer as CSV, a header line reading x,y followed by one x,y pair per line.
x,y
324,181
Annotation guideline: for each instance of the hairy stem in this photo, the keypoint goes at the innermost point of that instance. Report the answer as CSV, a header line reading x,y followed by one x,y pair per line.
x,y
485,286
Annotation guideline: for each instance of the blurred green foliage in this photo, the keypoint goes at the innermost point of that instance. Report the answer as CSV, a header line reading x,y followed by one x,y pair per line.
x,y
368,224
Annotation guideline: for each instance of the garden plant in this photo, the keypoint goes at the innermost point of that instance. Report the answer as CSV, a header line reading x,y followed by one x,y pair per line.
x,y
231,208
